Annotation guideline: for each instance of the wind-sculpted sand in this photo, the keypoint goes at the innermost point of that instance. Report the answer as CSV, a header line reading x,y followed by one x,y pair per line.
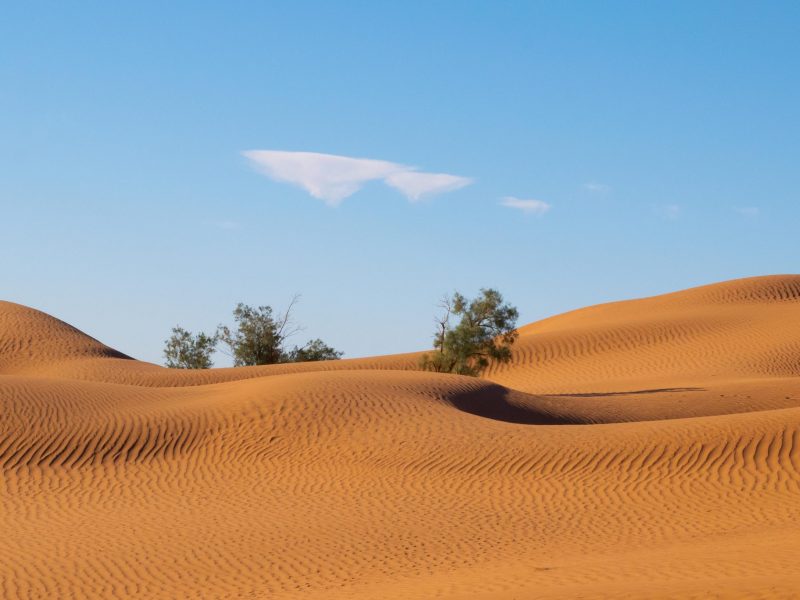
x,y
640,449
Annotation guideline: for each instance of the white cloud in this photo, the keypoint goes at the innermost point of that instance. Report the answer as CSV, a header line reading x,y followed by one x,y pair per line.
x,y
748,211
533,207
597,188
333,178
416,185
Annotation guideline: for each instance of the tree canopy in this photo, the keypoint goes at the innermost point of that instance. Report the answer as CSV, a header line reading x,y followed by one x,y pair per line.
x,y
261,335
472,333
259,338
313,350
184,350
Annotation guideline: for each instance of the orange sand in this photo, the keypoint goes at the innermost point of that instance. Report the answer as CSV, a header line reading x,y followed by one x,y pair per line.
x,y
640,449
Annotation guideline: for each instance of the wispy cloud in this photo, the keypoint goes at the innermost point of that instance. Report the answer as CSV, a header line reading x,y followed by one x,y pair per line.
x,y
416,185
750,212
333,178
671,212
532,207
596,188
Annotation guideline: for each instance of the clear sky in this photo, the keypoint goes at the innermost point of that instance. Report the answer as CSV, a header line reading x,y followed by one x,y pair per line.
x,y
596,151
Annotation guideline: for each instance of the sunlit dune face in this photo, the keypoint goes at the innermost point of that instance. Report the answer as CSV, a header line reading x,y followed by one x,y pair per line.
x,y
640,449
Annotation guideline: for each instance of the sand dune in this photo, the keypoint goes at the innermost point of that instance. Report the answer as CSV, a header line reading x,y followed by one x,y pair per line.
x,y
639,449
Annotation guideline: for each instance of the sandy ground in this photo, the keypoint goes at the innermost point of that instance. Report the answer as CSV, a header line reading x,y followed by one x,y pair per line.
x,y
640,449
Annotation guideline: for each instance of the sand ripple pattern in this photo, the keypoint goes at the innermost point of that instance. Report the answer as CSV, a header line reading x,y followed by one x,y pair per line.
x,y
642,449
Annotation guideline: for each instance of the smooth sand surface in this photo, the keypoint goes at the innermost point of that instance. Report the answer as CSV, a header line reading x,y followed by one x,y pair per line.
x,y
639,449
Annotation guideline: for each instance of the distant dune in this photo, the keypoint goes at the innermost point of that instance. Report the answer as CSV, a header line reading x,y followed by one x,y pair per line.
x,y
639,449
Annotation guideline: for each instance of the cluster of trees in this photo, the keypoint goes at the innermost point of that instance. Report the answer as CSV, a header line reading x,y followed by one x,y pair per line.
x,y
470,335
259,337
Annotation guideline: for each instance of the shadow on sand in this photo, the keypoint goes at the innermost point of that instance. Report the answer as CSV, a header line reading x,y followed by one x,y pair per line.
x,y
629,393
504,404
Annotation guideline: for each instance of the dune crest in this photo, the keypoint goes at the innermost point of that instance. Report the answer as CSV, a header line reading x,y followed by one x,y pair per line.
x,y
32,340
639,449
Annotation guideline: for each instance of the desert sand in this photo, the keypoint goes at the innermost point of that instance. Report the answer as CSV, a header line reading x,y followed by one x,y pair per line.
x,y
640,449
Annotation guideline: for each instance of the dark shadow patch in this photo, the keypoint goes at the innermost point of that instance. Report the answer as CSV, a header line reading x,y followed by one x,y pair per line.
x,y
630,393
502,404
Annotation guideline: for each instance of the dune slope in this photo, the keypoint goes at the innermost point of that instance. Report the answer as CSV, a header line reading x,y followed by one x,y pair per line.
x,y
639,449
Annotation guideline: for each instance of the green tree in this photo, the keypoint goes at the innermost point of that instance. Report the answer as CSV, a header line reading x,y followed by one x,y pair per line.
x,y
484,331
183,350
312,351
260,338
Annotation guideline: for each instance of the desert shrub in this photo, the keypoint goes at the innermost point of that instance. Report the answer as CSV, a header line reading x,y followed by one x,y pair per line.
x,y
472,333
260,337
312,351
184,350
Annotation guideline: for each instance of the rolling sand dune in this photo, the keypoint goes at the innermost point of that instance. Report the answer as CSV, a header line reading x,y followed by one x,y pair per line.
x,y
639,449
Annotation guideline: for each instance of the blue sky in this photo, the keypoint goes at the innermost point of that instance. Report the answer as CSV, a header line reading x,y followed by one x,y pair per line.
x,y
660,141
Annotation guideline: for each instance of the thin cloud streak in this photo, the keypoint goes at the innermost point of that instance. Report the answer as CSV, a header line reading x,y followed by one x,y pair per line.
x,y
597,188
531,207
332,178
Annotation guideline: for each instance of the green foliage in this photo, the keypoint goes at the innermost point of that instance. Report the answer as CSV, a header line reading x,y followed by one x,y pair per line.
x,y
260,338
312,351
485,332
186,351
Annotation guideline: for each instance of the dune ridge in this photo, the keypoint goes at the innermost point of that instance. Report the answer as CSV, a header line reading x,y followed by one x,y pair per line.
x,y
639,449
